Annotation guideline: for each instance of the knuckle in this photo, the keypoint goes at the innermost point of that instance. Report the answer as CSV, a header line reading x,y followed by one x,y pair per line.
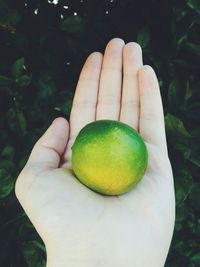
x,y
107,100
130,103
83,104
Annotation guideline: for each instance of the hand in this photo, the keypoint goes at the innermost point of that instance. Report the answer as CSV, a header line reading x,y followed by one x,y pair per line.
x,y
78,226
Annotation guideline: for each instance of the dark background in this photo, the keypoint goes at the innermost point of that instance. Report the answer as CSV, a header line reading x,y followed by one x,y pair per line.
x,y
42,49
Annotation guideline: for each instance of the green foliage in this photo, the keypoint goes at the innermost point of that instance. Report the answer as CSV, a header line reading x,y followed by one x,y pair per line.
x,y
31,252
175,127
194,4
6,177
42,49
18,67
5,83
143,37
73,24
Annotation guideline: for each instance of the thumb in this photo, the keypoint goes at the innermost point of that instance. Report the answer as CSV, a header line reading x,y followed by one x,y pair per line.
x,y
49,148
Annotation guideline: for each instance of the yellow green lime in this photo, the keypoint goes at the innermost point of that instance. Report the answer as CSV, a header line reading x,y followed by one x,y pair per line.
x,y
109,157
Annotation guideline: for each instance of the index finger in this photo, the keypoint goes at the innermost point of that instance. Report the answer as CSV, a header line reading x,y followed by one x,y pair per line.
x,y
85,98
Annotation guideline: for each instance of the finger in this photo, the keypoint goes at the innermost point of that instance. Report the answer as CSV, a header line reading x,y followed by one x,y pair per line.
x,y
49,148
132,61
108,105
85,98
151,125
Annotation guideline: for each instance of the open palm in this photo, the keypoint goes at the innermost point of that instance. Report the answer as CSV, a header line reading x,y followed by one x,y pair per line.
x,y
83,228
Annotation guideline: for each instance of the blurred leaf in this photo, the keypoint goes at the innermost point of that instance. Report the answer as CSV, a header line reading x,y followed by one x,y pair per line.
x,y
6,183
182,39
188,92
195,196
13,17
195,159
22,162
6,178
16,120
173,94
5,83
160,82
32,255
21,122
65,107
8,16
184,149
143,37
39,245
194,4
11,118
73,24
183,185
181,212
194,227
175,126
46,86
8,152
3,7
18,68
180,13
194,48
24,80
178,226
196,259
181,63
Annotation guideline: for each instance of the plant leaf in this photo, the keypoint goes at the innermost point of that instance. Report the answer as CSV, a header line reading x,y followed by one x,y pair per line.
x,y
188,92
32,254
73,24
5,82
195,159
195,196
184,149
8,152
194,48
13,17
16,120
143,37
6,178
173,94
194,4
175,126
18,68
24,80
196,259
46,86
21,122
39,245
183,185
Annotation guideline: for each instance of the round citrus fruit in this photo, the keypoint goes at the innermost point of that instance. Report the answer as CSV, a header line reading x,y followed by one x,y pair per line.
x,y
109,157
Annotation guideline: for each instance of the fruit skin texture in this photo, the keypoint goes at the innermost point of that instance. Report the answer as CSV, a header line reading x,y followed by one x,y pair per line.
x,y
109,157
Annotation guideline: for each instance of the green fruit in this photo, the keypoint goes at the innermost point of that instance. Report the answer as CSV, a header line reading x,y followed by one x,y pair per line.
x,y
109,157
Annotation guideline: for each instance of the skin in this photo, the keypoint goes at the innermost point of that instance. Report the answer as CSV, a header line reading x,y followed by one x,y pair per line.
x,y
78,226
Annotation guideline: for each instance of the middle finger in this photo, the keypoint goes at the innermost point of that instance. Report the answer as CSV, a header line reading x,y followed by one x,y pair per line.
x,y
108,103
